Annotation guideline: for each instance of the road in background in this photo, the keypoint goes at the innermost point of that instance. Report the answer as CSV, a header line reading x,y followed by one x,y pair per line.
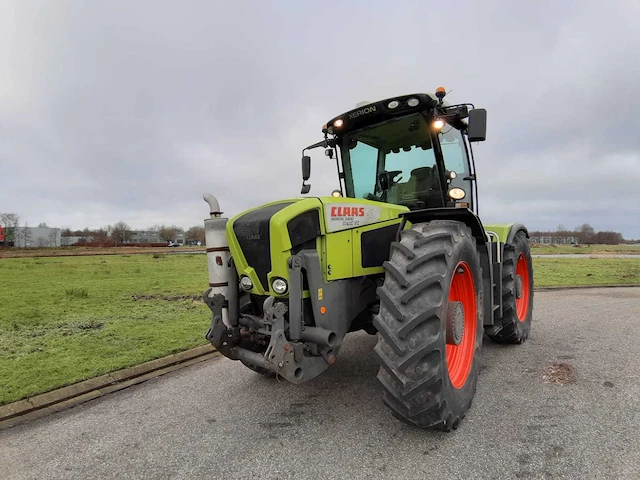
x,y
563,405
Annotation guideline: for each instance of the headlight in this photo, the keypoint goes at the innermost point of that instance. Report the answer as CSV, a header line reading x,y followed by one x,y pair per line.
x,y
245,283
413,102
438,123
456,193
393,104
279,286
336,193
338,123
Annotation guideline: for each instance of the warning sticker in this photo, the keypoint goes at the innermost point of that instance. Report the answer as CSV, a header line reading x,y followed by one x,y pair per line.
x,y
350,215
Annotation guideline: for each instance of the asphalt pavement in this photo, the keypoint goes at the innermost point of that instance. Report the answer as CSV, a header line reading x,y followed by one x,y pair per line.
x,y
563,405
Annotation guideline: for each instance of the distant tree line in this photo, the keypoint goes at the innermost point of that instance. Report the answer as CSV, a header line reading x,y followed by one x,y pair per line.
x,y
585,233
195,234
121,233
110,235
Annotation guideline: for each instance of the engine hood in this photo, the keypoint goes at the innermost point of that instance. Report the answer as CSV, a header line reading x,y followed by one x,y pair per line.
x,y
262,239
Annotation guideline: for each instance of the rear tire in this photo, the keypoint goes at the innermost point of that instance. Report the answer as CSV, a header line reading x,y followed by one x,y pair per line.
x,y
517,292
427,382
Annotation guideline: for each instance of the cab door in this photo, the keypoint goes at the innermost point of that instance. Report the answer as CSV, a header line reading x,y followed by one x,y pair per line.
x,y
454,153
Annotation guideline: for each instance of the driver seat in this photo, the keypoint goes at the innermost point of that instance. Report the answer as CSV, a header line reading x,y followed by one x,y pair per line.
x,y
424,179
426,185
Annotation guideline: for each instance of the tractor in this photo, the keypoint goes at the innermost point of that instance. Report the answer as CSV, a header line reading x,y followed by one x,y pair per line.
x,y
397,250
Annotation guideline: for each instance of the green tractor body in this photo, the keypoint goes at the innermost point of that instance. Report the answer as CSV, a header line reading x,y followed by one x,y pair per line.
x,y
398,250
324,224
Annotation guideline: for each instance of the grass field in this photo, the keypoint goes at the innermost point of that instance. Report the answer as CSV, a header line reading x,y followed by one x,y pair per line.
x,y
65,319
73,251
564,272
585,249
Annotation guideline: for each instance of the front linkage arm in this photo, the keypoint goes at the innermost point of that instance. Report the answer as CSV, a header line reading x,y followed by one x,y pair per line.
x,y
296,351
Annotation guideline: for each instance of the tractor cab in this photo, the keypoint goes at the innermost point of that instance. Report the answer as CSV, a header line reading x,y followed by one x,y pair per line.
x,y
412,150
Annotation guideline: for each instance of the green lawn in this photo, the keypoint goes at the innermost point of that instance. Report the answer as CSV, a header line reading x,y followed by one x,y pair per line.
x,y
556,272
585,249
66,319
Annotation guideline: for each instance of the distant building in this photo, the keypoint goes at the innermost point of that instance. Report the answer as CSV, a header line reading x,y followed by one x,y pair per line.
x,y
554,240
34,237
145,236
68,240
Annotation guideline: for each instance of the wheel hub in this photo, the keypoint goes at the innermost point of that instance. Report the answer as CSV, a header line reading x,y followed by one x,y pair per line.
x,y
518,286
455,323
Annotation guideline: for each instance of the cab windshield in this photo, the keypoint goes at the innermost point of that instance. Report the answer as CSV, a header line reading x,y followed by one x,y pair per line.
x,y
393,162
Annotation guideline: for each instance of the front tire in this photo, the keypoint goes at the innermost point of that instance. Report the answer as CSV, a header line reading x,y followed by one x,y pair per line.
x,y
431,298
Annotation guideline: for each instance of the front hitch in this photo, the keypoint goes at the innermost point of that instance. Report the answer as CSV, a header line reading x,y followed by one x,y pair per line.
x,y
284,339
291,360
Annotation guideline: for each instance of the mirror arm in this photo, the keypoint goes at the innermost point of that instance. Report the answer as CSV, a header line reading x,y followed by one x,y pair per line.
x,y
326,143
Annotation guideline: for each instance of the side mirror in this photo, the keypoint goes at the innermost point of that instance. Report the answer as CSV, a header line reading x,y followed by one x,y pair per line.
x,y
477,129
306,167
306,173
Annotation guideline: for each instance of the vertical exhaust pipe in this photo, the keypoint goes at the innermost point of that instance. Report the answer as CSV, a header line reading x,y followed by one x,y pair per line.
x,y
222,274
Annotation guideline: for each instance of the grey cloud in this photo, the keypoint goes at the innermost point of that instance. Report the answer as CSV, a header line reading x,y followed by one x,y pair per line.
x,y
129,111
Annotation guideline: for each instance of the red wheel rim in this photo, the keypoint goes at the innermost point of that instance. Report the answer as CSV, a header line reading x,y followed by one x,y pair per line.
x,y
522,303
460,357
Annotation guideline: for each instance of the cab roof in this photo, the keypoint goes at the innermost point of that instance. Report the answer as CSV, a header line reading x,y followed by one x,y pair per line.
x,y
379,111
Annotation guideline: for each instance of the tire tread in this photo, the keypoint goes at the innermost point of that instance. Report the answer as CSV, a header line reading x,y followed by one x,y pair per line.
x,y
511,330
411,339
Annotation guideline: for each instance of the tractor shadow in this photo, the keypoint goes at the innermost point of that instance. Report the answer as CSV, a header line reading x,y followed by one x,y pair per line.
x,y
347,395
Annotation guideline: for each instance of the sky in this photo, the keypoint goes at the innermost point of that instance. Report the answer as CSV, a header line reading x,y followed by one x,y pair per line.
x,y
128,111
